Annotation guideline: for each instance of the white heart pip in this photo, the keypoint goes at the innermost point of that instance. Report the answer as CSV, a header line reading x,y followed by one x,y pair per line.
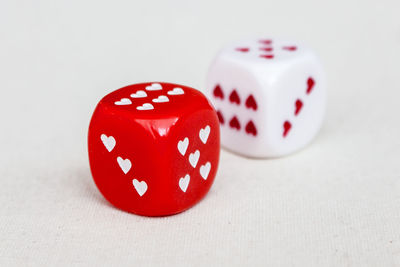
x,y
154,87
194,158
184,182
176,91
204,133
141,187
123,101
139,94
161,99
205,170
145,106
183,145
108,141
124,164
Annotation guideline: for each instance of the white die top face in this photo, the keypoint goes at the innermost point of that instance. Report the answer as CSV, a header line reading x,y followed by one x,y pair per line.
x,y
265,51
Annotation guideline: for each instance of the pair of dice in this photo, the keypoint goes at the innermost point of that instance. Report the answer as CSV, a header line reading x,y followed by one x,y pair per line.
x,y
154,147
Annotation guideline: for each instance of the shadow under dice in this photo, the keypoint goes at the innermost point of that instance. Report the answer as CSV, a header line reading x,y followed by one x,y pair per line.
x,y
154,148
269,95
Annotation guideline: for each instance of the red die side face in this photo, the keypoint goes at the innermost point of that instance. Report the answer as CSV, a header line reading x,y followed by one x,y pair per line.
x,y
154,148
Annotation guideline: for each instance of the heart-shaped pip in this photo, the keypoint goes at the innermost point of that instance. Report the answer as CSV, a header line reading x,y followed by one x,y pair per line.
x,y
154,87
123,101
139,94
145,106
176,91
161,99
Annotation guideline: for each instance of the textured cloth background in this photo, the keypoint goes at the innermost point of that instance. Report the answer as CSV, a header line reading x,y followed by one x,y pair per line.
x,y
335,203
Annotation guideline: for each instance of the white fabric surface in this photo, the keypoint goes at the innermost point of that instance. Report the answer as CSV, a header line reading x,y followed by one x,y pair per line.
x,y
335,203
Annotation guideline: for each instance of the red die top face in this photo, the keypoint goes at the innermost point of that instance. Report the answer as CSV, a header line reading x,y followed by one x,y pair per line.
x,y
154,148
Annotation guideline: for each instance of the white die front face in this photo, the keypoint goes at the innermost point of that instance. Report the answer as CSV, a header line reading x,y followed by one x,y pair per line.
x,y
230,87
288,85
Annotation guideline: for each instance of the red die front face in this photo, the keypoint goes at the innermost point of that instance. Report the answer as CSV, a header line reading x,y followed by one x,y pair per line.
x,y
154,148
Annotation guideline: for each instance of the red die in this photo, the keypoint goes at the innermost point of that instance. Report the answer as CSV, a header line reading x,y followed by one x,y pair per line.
x,y
154,148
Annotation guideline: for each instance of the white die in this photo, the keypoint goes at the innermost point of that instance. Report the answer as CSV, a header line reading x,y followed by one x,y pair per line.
x,y
287,83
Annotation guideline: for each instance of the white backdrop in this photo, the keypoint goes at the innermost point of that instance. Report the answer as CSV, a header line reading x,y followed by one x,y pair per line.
x,y
335,203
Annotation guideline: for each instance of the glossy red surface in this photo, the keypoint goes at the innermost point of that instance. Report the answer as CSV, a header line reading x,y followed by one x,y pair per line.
x,y
144,170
